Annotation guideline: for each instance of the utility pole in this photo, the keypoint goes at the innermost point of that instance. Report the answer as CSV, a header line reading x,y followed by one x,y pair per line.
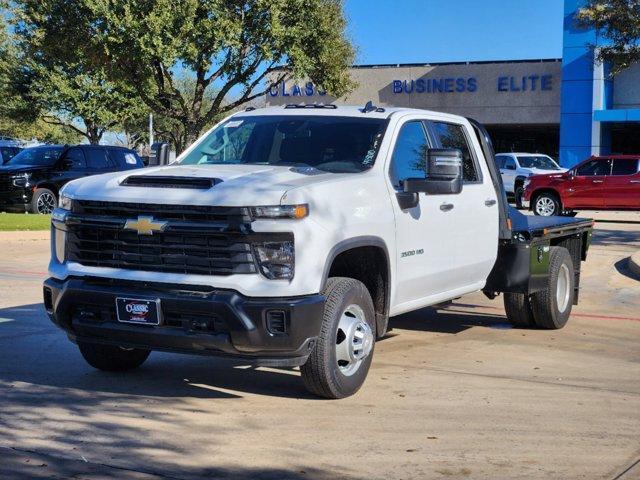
x,y
150,129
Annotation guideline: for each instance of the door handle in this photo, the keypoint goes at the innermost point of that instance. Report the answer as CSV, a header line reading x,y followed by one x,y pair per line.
x,y
490,202
446,207
634,181
597,181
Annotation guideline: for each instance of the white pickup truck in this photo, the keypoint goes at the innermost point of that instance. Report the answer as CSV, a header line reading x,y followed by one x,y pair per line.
x,y
288,236
515,168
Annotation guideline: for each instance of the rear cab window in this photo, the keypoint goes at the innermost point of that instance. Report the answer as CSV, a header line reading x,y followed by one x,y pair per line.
x,y
624,166
452,135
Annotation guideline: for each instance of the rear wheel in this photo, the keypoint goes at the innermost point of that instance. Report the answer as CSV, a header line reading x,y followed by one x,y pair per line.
x,y
112,358
341,357
552,306
546,204
519,193
518,309
44,201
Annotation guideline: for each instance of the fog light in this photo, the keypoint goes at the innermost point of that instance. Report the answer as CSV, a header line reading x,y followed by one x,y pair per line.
x,y
276,259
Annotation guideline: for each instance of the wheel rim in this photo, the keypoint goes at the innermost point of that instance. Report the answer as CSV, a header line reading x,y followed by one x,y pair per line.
x,y
46,203
354,340
545,206
563,292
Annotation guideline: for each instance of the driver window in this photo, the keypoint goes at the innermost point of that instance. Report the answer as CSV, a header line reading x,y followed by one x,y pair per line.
x,y
408,159
75,159
510,164
594,168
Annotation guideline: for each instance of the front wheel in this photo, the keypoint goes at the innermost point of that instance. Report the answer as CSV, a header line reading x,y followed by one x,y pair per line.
x,y
341,357
44,201
546,205
112,358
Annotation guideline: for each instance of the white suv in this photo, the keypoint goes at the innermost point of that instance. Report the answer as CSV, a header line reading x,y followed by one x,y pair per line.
x,y
515,168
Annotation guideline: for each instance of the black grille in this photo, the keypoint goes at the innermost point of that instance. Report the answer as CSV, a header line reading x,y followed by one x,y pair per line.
x,y
231,215
5,183
203,253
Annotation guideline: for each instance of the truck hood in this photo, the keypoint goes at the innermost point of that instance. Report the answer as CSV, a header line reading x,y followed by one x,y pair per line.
x,y
236,185
542,171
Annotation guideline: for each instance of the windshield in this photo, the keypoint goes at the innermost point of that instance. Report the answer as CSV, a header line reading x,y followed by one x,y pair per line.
x,y
541,162
39,156
332,144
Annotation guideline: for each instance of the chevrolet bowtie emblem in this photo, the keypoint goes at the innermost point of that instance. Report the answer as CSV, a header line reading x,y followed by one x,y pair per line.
x,y
145,225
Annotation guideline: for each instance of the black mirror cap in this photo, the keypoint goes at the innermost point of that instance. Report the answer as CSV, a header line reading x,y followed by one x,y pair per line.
x,y
434,186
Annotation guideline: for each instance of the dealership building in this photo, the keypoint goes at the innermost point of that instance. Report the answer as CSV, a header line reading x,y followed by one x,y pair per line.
x,y
569,108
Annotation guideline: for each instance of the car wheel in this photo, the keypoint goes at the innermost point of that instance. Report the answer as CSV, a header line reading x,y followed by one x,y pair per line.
x,y
111,358
518,196
44,201
552,306
341,357
546,205
518,309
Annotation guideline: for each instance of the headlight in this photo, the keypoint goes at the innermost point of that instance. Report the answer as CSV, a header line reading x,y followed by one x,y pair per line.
x,y
65,202
276,259
526,183
281,211
22,179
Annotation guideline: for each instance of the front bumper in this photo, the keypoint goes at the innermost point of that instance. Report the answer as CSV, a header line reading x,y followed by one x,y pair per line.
x,y
16,199
266,331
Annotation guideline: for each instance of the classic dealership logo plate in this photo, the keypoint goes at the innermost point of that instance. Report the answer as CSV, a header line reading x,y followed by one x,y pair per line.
x,y
145,225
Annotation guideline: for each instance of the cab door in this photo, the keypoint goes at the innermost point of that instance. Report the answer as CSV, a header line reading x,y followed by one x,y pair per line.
x,y
447,244
509,174
586,189
622,187
423,256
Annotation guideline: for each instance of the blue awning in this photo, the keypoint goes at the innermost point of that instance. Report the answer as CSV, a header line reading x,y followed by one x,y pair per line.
x,y
617,115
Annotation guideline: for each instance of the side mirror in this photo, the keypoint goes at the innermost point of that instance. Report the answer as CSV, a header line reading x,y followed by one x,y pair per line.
x,y
66,164
444,173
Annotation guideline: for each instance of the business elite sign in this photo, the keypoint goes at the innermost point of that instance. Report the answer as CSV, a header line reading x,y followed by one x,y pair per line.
x,y
503,83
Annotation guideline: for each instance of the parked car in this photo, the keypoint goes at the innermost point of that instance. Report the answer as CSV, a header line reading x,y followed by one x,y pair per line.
x,y
9,147
31,180
515,168
598,183
288,236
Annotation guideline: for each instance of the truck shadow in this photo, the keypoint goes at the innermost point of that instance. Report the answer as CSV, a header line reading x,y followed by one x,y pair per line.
x,y
603,237
453,318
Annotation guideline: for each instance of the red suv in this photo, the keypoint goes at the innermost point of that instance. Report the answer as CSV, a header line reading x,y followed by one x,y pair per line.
x,y
598,183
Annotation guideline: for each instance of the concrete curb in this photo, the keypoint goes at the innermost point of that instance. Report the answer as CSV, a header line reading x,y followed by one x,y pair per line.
x,y
634,263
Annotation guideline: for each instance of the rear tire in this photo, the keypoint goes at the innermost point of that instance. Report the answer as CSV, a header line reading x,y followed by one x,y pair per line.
x,y
519,193
552,306
341,357
518,309
546,204
44,201
111,358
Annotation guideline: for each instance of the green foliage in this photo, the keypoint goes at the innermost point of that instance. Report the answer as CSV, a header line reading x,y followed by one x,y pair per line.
x,y
619,22
231,48
59,86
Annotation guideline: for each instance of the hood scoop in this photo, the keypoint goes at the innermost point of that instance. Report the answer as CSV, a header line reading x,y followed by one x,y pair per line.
x,y
166,181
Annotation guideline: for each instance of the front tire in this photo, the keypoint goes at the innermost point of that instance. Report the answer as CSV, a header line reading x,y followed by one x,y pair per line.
x,y
44,201
546,205
552,306
341,357
112,358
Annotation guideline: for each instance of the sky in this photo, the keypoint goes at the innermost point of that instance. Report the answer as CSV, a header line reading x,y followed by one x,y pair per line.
x,y
429,31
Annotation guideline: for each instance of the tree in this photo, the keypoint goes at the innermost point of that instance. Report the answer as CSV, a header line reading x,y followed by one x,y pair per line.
x,y
60,87
233,47
12,122
618,21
